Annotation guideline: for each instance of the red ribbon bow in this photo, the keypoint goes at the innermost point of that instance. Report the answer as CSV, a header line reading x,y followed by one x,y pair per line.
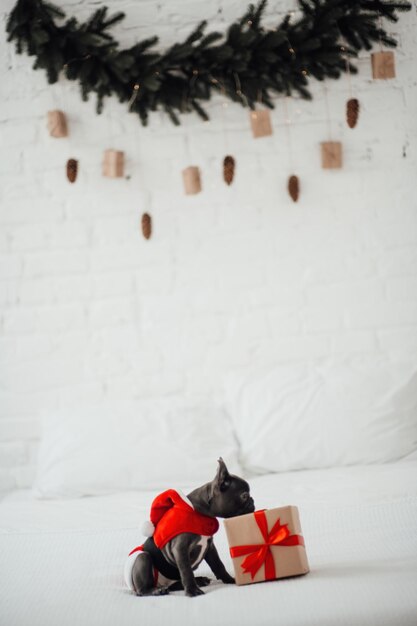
x,y
259,554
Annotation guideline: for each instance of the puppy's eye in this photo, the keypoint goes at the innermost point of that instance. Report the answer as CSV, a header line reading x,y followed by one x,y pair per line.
x,y
245,496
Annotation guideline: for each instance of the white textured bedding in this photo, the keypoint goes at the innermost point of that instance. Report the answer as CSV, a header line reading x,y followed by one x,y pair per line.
x,y
61,562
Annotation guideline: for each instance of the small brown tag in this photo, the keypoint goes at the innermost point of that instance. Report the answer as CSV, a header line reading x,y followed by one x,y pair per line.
x,y
261,123
192,180
383,65
57,124
331,155
113,164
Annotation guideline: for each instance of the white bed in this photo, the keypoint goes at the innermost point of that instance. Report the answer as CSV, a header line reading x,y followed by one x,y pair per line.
x,y
62,561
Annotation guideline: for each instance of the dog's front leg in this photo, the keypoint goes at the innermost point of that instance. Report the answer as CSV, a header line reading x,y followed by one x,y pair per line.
x,y
216,565
180,547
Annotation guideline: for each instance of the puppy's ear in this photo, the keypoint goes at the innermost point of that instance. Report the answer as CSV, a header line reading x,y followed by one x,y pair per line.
x,y
222,480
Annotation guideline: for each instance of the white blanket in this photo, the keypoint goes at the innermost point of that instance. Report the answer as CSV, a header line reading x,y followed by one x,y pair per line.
x,y
61,562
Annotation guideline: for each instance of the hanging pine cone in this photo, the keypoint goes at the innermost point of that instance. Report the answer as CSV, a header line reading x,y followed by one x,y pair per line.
x,y
352,112
294,187
72,169
146,225
228,169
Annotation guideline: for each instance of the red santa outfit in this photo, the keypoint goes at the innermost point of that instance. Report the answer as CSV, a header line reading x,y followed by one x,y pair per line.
x,y
172,513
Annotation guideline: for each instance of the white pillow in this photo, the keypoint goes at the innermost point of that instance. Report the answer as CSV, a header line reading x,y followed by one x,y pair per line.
x,y
101,450
344,412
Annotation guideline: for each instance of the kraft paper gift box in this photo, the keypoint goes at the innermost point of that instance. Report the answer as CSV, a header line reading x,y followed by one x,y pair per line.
x,y
260,121
331,155
192,180
266,545
383,65
113,164
57,124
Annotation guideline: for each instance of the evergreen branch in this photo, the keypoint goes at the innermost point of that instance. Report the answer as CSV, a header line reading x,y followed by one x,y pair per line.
x,y
248,64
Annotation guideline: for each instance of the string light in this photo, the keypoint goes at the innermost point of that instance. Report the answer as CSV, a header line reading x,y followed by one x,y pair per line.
x,y
239,90
87,56
249,22
134,95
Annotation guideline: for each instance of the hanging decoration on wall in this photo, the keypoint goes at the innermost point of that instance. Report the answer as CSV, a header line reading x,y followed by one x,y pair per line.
x,y
294,187
383,62
57,124
192,180
331,151
293,184
352,112
72,170
146,225
228,169
265,61
352,105
113,164
331,155
260,121
383,65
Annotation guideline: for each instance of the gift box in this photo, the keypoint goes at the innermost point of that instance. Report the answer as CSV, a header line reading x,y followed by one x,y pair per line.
x,y
383,65
113,164
331,155
57,124
266,545
192,180
260,121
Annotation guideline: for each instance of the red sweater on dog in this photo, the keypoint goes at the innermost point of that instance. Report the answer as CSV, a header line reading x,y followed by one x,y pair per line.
x,y
172,513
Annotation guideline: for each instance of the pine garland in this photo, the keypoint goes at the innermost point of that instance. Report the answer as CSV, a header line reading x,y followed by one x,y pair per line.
x,y
248,64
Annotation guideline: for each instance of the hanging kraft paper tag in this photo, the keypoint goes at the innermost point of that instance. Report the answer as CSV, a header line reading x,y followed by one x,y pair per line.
x,y
192,180
57,124
113,164
383,65
261,123
331,155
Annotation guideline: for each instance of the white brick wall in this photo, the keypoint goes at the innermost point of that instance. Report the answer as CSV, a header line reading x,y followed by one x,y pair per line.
x,y
89,309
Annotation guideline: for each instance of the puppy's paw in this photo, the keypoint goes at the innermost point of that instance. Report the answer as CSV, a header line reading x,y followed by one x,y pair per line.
x,y
192,592
228,580
202,581
160,591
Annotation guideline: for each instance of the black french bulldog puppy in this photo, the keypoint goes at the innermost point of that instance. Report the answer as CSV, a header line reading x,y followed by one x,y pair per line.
x,y
225,496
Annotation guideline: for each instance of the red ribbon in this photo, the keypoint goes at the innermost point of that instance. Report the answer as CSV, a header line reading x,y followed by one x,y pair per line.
x,y
259,554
